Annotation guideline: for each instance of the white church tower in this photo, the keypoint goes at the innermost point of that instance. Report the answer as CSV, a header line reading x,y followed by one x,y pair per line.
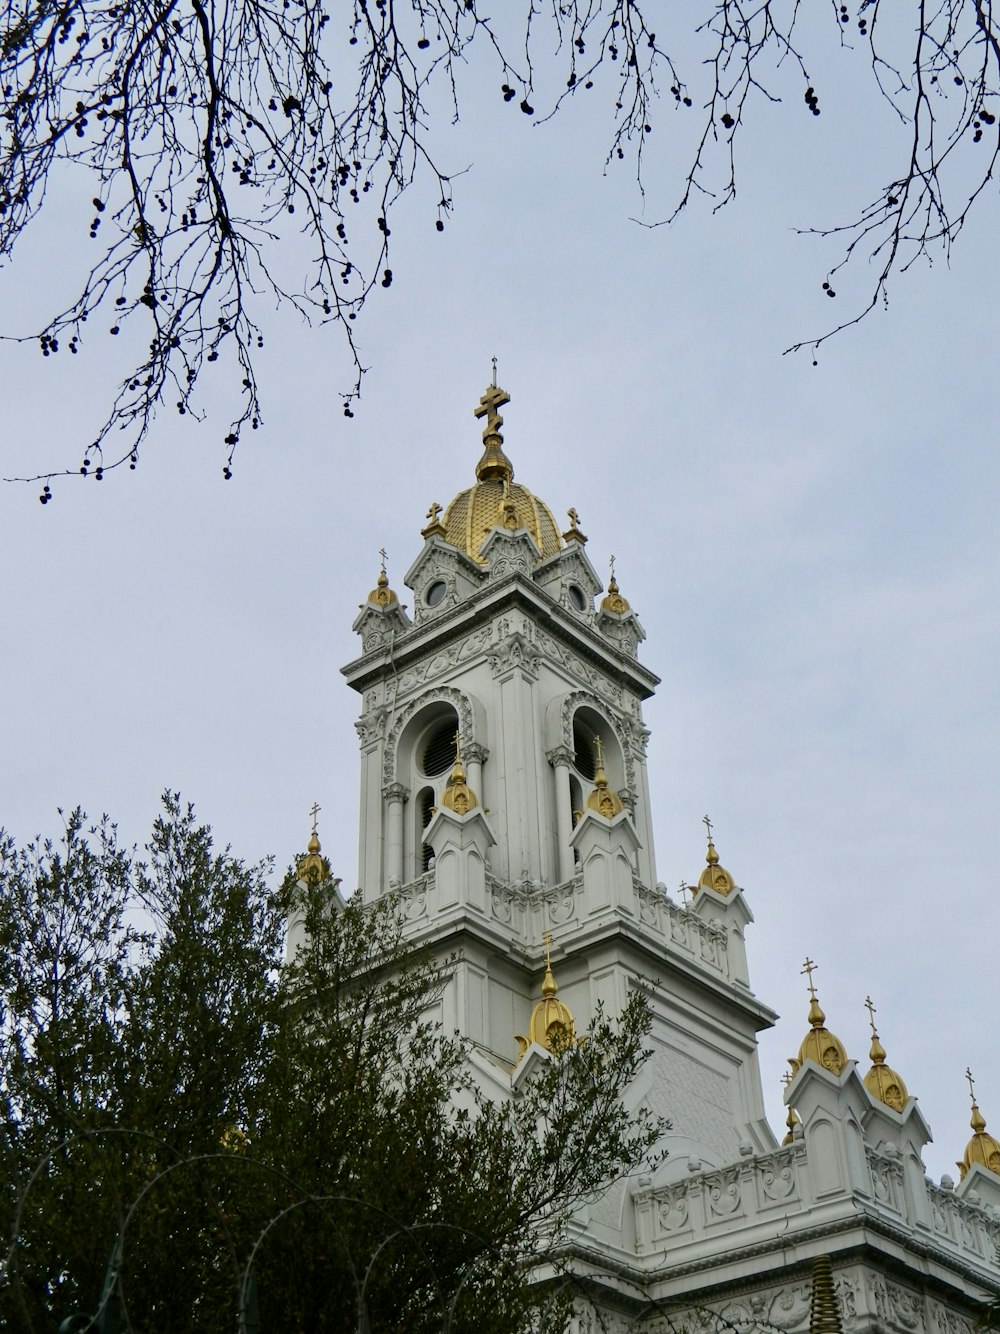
x,y
505,799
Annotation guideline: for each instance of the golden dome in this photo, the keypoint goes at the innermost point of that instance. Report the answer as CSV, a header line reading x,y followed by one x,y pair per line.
x,y
819,1044
881,1081
496,498
614,602
715,876
457,795
313,860
551,1023
382,595
982,1148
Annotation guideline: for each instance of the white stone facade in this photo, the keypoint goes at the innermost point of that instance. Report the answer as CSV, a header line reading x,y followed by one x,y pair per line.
x,y
509,650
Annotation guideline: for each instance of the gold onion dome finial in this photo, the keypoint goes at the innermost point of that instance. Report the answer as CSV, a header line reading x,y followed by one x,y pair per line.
x,y
982,1148
881,1081
382,595
496,499
457,795
313,860
819,1044
714,876
551,1023
602,799
613,601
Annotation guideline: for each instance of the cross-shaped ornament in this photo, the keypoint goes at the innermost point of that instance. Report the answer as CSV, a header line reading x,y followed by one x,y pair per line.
x,y
574,518
972,1084
786,1078
433,512
611,563
707,823
489,404
314,811
685,891
809,967
458,745
871,1011
547,942
598,746
383,556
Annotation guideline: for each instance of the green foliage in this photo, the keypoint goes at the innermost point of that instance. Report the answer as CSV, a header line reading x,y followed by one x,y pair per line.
x,y
193,1132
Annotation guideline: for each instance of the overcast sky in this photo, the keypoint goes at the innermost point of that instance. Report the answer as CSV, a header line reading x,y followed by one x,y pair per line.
x,y
811,550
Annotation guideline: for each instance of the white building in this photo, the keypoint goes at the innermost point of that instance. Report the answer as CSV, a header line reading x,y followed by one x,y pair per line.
x,y
542,825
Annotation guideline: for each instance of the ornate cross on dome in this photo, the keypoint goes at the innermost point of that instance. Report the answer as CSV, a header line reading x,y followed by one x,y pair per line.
x,y
383,556
433,512
871,1011
685,891
972,1083
809,967
547,942
599,747
314,811
493,399
611,563
704,819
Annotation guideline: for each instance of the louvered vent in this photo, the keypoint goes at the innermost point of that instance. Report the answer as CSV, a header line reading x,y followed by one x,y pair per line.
x,y
584,758
439,752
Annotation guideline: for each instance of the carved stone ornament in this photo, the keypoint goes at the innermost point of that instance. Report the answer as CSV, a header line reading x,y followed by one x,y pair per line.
x,y
514,652
777,1176
396,792
724,1193
672,1207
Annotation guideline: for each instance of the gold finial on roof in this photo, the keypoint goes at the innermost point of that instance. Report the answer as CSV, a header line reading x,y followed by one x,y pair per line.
x,y
573,533
551,1023
881,1081
824,1314
457,795
602,799
613,601
382,595
313,861
982,1148
435,528
819,1044
494,462
714,876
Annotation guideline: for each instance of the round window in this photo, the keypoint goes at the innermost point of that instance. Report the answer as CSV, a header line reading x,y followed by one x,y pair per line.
x,y
577,597
435,592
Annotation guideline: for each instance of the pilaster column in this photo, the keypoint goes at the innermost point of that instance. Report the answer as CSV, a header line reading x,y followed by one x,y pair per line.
x,y
396,794
474,756
559,757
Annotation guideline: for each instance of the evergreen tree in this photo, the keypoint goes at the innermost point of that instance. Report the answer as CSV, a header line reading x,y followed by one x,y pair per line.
x,y
196,1135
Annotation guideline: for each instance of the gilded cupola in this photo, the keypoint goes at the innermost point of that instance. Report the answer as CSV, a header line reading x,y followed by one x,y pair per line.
x,y
982,1148
551,1023
603,800
457,795
881,1081
819,1044
313,862
714,876
382,595
496,499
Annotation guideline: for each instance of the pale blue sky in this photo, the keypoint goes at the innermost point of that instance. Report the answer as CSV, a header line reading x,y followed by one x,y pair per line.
x,y
812,552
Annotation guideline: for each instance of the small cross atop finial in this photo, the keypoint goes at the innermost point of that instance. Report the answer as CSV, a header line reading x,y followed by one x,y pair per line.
x,y
786,1078
574,518
704,819
599,747
809,967
611,563
458,745
383,556
871,1012
972,1085
685,891
314,811
494,372
547,942
433,512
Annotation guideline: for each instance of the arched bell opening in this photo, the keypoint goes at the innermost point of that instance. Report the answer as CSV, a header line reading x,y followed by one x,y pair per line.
x,y
424,759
